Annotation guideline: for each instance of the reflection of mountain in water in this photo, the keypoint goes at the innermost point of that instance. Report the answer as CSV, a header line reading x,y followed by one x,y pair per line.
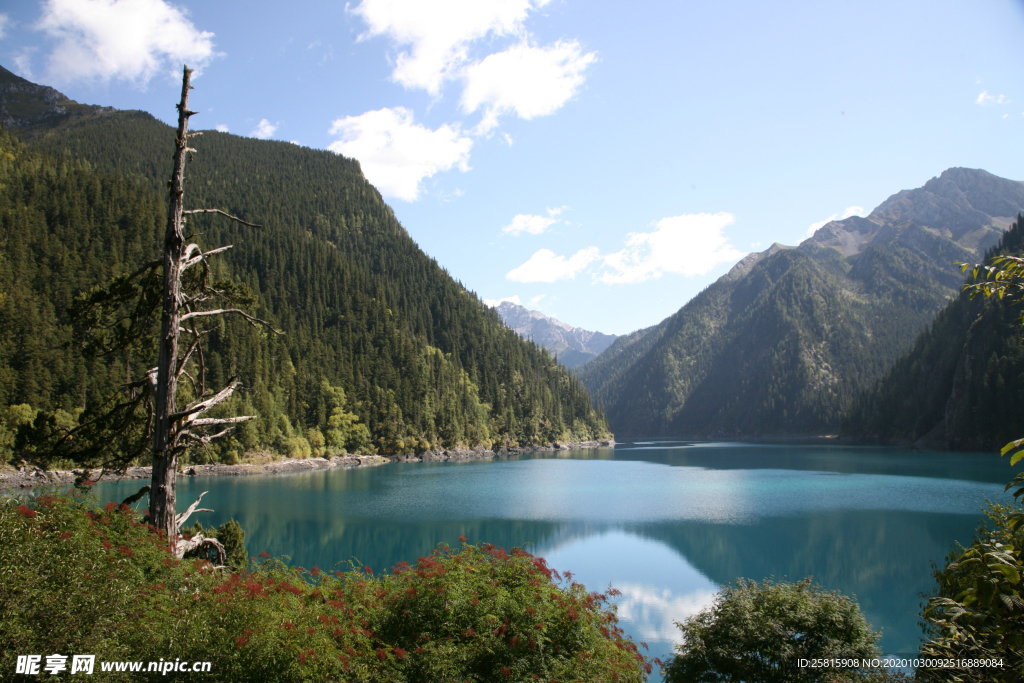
x,y
819,455
862,553
380,545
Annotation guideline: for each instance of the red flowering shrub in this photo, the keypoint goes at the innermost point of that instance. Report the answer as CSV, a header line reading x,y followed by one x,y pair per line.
x,y
477,613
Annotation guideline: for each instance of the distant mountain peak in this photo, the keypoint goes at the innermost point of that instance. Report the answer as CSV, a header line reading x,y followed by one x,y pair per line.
x,y
968,206
573,345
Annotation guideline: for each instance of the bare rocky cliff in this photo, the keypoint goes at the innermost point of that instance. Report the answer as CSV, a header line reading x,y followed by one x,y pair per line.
x,y
574,346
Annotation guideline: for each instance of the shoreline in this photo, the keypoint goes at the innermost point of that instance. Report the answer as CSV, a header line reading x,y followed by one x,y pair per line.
x,y
26,478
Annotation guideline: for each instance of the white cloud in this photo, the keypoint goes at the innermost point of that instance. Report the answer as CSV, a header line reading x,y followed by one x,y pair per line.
x,y
23,62
535,301
221,128
508,139
396,153
653,613
557,211
5,22
813,228
545,266
435,35
850,211
435,39
689,245
127,40
263,130
985,99
525,80
529,223
494,303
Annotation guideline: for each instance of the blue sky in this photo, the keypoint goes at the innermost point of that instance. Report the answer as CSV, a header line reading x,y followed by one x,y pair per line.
x,y
601,162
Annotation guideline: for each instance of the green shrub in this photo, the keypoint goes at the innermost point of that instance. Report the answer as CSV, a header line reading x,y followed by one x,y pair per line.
x,y
978,611
78,580
71,577
232,537
758,632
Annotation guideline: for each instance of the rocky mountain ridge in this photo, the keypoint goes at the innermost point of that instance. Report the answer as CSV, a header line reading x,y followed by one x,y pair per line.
x,y
30,108
574,346
785,342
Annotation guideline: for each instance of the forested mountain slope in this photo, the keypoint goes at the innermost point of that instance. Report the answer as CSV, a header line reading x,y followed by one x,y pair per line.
x,y
785,341
421,360
961,385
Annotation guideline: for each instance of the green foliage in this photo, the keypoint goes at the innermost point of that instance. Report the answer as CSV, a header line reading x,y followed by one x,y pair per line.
x,y
422,362
71,577
232,537
757,632
978,610
344,431
473,613
11,419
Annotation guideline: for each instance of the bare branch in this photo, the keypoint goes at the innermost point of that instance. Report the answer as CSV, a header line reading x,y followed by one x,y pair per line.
x,y
198,542
180,519
135,496
254,321
207,421
143,269
188,354
203,405
191,380
202,363
188,260
205,438
223,213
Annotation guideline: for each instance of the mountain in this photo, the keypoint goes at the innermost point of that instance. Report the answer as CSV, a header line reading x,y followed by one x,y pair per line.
x,y
421,361
31,108
574,346
785,342
959,386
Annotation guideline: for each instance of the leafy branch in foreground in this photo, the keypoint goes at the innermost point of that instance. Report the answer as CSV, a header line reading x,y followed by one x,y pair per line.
x,y
978,615
1002,277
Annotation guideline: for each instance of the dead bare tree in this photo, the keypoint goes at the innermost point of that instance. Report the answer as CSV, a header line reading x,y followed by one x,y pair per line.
x,y
151,417
177,427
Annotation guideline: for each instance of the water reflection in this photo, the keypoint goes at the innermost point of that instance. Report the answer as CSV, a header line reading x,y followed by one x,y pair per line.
x,y
666,522
659,586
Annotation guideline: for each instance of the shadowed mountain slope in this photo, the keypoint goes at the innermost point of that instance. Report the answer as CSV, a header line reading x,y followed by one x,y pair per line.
x,y
784,342
960,385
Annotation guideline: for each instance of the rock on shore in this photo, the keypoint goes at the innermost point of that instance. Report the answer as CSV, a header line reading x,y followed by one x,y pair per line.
x,y
27,478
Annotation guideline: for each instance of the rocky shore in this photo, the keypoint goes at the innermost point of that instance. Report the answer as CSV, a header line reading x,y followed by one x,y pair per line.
x,y
27,477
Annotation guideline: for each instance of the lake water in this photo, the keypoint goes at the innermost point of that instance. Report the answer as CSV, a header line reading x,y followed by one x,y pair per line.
x,y
665,522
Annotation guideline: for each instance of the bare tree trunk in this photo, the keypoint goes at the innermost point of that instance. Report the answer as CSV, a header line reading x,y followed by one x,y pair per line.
x,y
165,454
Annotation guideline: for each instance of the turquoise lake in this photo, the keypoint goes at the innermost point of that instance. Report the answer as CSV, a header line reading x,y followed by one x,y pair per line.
x,y
665,522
